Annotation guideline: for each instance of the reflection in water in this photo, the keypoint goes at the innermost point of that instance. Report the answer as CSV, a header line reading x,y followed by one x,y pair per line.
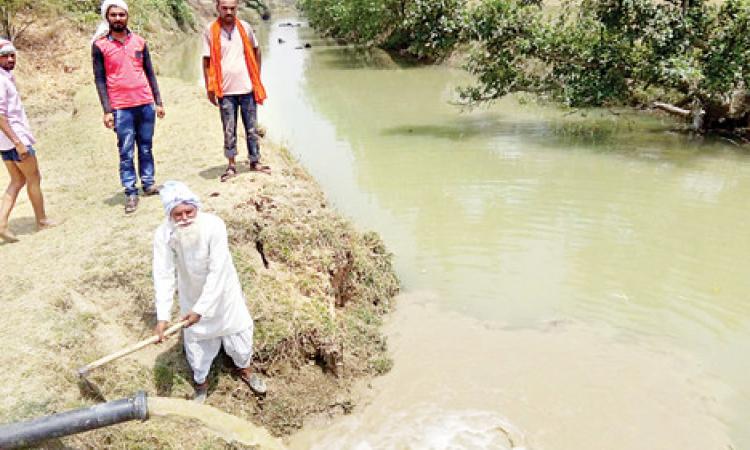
x,y
518,216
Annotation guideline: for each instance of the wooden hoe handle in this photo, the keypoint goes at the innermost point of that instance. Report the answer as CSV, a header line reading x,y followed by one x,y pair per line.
x,y
83,371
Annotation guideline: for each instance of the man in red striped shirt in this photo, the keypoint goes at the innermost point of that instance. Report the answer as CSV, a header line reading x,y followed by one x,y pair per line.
x,y
129,94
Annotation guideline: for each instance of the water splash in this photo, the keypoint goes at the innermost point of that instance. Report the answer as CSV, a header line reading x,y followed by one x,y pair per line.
x,y
431,428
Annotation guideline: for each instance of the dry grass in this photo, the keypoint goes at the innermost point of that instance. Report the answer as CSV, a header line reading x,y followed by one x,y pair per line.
x,y
83,290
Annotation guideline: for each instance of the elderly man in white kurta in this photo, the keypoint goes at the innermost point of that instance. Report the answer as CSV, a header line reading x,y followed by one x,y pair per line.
x,y
191,255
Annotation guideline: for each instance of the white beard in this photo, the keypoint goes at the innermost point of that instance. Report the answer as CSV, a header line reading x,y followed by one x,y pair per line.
x,y
188,237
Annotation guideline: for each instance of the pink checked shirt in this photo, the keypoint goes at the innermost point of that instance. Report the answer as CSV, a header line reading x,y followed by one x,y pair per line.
x,y
127,84
12,109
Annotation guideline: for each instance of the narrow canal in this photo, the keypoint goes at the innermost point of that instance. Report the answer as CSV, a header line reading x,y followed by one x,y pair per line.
x,y
570,282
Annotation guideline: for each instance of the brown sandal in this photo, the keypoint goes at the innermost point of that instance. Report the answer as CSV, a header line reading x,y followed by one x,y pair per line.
x,y
258,167
231,172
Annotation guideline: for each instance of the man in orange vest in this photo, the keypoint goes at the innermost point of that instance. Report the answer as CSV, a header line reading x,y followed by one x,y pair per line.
x,y
231,71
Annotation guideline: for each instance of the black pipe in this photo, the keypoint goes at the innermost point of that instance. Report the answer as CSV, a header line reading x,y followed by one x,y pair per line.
x,y
22,434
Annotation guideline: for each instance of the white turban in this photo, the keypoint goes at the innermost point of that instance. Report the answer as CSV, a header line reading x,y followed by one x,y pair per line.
x,y
103,27
175,193
6,47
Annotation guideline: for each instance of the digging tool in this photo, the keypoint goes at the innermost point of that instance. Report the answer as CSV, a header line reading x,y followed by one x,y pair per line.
x,y
83,371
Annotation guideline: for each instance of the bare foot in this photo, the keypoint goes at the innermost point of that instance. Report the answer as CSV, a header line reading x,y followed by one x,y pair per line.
x,y
231,172
7,236
48,223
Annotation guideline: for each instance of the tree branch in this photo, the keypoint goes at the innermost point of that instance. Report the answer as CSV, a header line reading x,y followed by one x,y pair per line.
x,y
672,109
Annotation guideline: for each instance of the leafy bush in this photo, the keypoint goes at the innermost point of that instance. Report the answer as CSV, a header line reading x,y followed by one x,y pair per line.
x,y
429,29
423,29
602,52
504,32
359,21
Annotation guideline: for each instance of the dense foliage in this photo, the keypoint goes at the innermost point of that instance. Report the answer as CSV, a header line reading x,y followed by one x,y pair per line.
x,y
427,29
603,52
693,55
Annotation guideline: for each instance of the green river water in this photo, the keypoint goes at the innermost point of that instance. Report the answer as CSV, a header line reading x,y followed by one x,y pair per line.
x,y
581,290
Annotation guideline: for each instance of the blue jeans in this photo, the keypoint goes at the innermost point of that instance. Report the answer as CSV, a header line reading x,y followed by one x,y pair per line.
x,y
228,106
135,126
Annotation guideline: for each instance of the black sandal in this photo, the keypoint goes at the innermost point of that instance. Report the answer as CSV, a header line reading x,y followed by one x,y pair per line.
x,y
229,173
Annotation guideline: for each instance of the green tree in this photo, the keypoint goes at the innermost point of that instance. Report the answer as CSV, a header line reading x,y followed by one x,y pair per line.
x,y
688,57
425,29
15,17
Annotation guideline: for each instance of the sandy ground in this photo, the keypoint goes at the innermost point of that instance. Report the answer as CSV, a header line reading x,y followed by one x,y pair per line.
x,y
46,272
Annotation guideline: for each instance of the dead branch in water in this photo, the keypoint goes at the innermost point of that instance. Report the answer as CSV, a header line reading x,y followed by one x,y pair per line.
x,y
672,109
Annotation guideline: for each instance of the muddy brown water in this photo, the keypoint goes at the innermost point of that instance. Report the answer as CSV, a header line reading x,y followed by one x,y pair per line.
x,y
570,282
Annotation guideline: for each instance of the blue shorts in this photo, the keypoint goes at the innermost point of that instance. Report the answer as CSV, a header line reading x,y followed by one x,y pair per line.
x,y
12,154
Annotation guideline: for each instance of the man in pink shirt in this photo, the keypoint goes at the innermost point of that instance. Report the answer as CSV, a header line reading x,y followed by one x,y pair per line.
x,y
129,94
16,148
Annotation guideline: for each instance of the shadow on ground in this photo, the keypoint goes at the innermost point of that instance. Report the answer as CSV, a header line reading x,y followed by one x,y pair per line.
x,y
22,226
171,370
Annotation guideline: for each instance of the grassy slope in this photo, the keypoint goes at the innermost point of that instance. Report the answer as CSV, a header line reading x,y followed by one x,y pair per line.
x,y
83,290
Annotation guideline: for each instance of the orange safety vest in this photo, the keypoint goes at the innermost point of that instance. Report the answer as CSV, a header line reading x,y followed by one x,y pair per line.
x,y
214,70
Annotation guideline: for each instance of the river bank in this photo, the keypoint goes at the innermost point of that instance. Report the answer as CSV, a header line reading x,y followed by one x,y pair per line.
x,y
317,288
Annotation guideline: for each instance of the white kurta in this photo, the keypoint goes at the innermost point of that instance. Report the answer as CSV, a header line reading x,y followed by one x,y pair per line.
x,y
204,277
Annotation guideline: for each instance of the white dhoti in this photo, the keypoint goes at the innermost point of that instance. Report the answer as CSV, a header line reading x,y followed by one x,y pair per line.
x,y
201,353
197,264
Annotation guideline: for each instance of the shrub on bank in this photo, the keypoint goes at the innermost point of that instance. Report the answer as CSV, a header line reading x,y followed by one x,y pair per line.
x,y
603,52
424,29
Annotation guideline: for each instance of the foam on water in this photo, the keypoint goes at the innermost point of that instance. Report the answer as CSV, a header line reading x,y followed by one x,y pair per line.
x,y
430,428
